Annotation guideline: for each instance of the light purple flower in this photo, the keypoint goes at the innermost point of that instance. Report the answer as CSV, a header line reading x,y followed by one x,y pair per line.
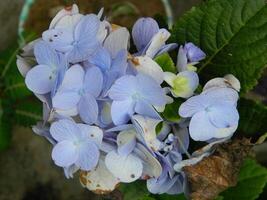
x,y
77,144
135,94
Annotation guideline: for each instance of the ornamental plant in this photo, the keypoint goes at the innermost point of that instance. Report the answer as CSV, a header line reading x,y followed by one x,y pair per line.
x,y
115,116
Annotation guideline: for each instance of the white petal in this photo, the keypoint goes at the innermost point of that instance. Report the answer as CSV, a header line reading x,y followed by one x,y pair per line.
x,y
151,166
99,180
126,168
146,65
146,129
117,40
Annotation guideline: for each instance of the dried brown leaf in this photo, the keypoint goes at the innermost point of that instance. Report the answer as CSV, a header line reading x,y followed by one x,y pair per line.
x,y
218,171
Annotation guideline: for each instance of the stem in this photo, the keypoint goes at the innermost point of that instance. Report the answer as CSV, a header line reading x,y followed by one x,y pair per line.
x,y
169,13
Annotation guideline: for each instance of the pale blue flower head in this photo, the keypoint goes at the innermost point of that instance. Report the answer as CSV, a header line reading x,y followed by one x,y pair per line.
x,y
213,114
76,144
149,39
135,94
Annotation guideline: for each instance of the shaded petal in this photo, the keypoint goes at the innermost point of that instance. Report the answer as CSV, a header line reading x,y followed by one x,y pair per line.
x,y
101,59
143,31
126,168
157,42
121,111
116,41
65,130
126,142
200,127
181,60
166,48
45,55
151,166
146,109
88,155
40,79
88,109
93,81
194,53
64,154
23,66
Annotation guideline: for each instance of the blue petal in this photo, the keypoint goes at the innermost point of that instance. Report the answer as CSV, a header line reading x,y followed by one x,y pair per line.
x,y
143,31
101,59
194,53
88,156
123,88
40,79
223,115
93,81
85,36
151,90
181,60
166,48
121,111
200,127
64,130
65,154
192,106
45,55
88,109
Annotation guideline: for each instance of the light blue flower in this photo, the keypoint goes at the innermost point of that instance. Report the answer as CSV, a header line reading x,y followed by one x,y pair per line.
x,y
76,144
42,78
135,94
77,44
149,39
78,93
214,114
188,56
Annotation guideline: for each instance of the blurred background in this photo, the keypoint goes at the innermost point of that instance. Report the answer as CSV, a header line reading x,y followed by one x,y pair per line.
x,y
26,169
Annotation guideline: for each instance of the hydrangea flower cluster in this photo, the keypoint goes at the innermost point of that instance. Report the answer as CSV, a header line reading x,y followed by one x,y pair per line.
x,y
103,105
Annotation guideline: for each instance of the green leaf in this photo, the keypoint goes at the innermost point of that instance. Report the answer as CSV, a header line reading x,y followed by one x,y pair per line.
x,y
169,197
134,191
166,63
28,112
171,111
251,181
15,86
233,33
253,117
